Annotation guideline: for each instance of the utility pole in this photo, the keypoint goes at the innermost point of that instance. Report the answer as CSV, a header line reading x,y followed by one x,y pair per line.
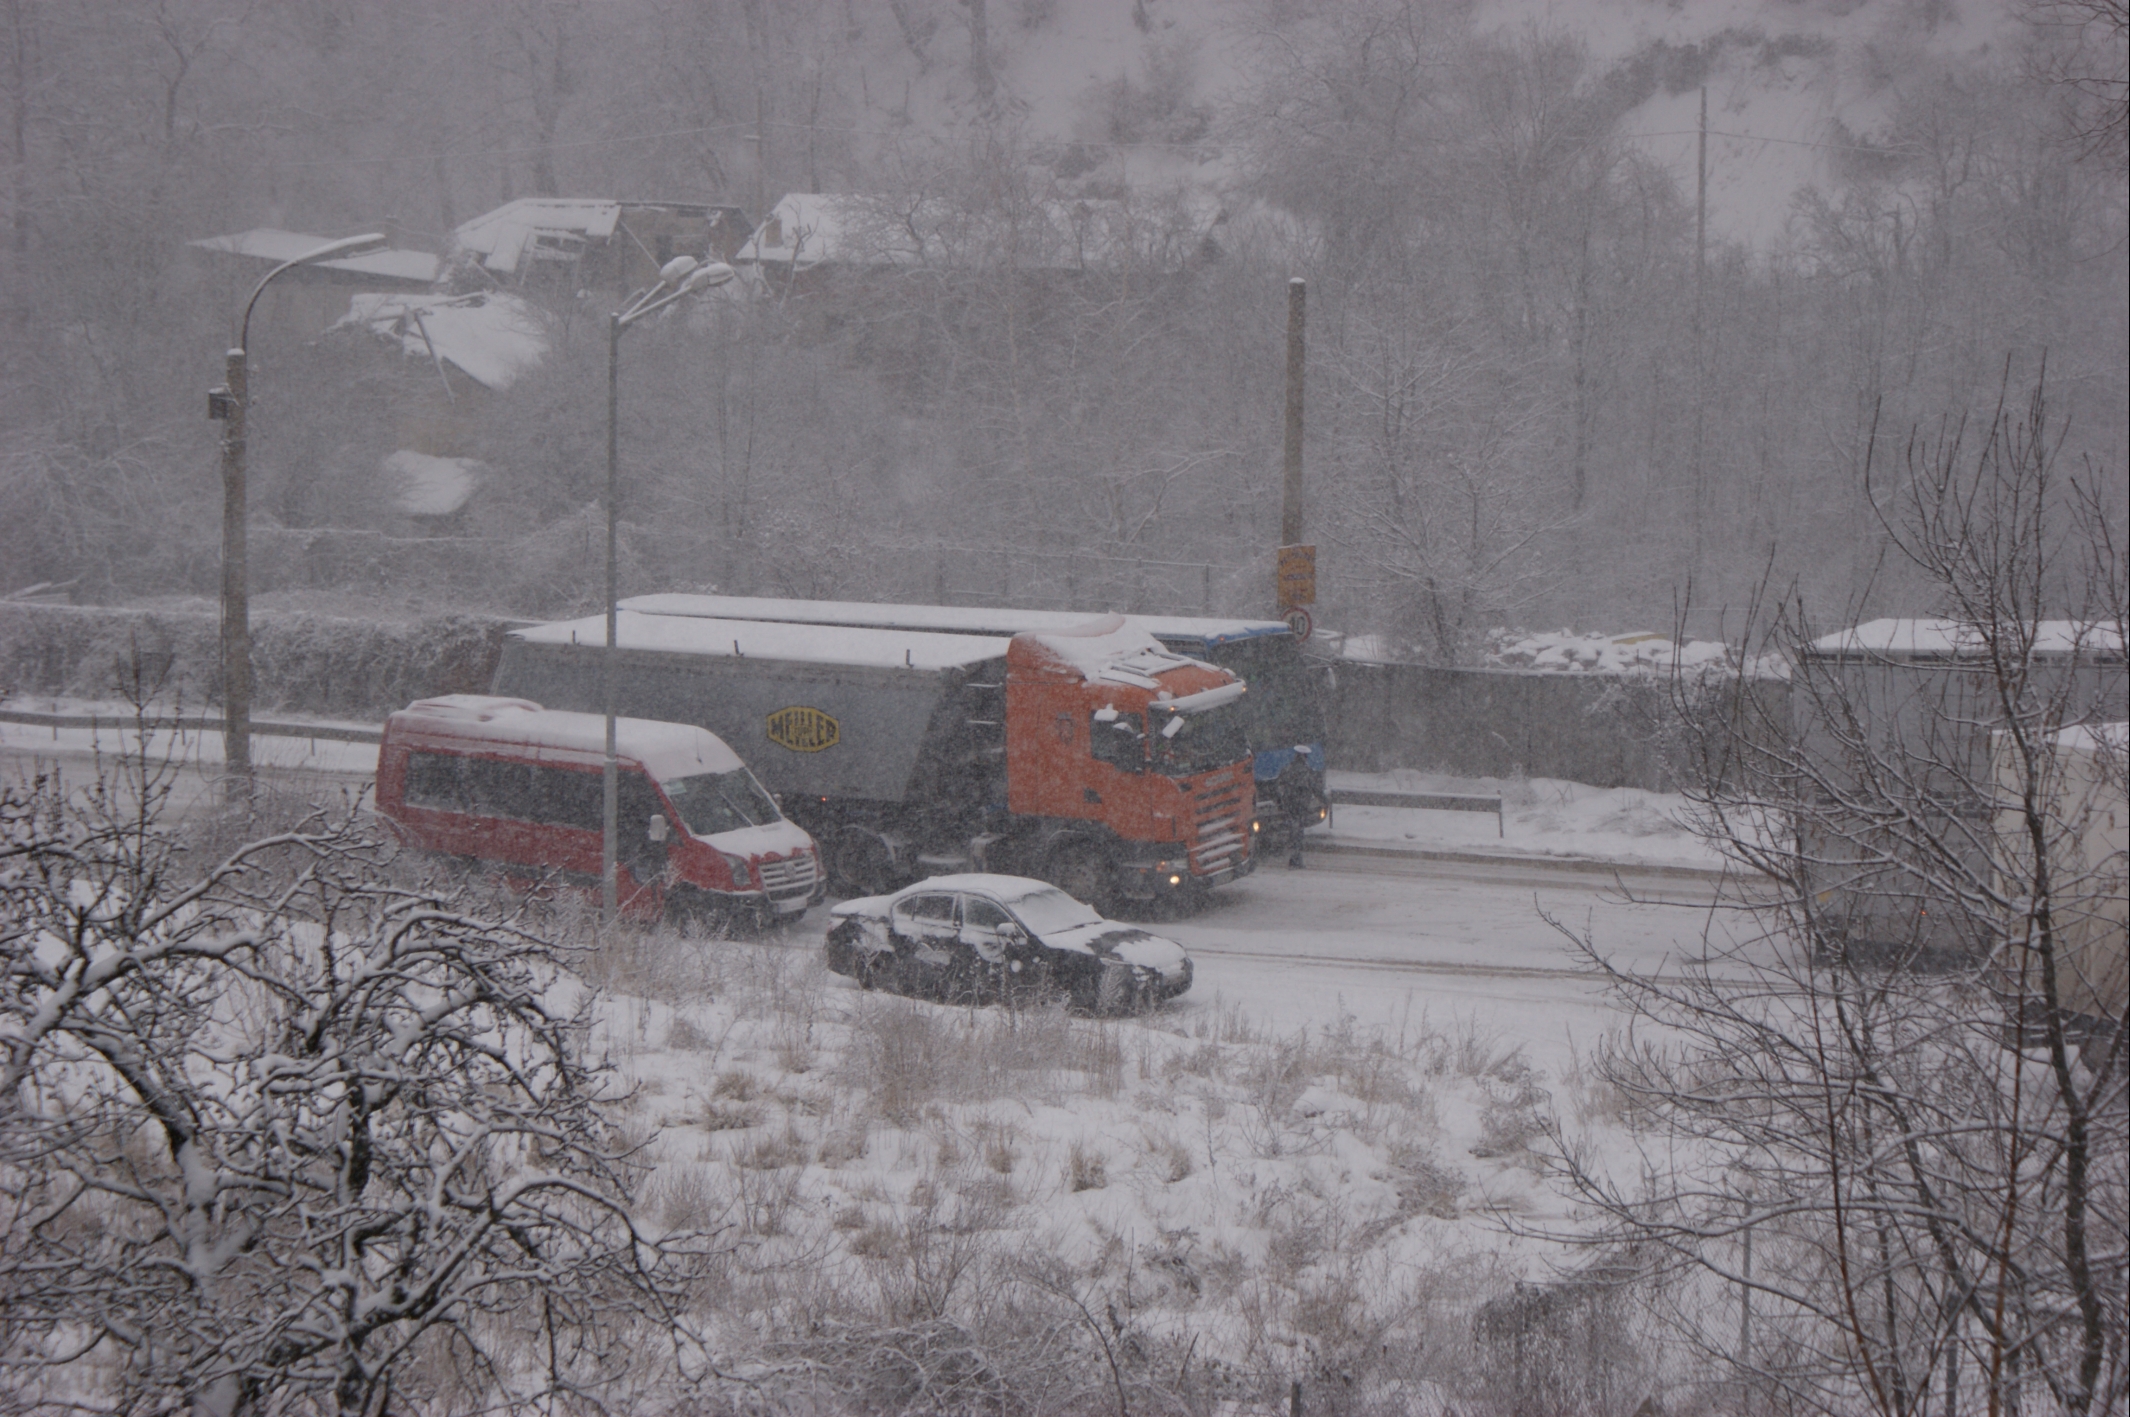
x,y
610,775
1294,569
1290,520
236,582
679,277
230,402
1700,287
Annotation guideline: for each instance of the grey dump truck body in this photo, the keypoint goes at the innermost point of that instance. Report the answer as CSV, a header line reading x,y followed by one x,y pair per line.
x,y
897,711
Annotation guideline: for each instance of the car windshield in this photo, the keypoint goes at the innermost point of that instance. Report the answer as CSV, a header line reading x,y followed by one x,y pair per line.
x,y
714,802
1053,912
1186,743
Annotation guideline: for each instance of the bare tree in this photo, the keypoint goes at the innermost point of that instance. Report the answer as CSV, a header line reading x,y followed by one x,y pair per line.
x,y
1436,481
1886,1118
281,1134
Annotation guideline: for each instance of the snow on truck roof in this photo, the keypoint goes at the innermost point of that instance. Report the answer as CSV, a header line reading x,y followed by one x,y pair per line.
x,y
755,639
666,750
955,619
1108,649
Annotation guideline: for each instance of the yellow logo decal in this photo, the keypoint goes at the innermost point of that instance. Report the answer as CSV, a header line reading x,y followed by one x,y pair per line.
x,y
803,730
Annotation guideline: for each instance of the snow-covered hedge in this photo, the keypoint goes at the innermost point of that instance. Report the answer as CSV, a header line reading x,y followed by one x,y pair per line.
x,y
301,661
1566,652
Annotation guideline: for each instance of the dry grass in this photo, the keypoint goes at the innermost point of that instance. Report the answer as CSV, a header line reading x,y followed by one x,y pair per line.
x,y
1187,1206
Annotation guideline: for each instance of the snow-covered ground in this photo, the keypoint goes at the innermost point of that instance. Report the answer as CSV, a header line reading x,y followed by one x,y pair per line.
x,y
1540,816
1300,1159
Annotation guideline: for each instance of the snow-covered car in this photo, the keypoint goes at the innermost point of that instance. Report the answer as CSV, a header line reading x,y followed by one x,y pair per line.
x,y
977,937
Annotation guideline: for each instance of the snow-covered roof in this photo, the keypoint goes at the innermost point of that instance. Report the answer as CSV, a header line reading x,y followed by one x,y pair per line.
x,y
954,619
431,486
806,229
1639,652
1109,649
266,243
998,887
666,750
2092,737
1926,638
504,237
750,639
491,336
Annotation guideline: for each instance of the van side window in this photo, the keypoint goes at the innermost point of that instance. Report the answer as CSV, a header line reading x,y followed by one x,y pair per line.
x,y
569,799
436,780
501,789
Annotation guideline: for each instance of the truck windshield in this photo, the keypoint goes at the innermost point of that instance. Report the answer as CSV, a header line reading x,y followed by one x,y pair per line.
x,y
1186,743
714,802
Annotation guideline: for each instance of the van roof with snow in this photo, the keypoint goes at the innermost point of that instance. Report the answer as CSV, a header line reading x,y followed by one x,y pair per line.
x,y
666,751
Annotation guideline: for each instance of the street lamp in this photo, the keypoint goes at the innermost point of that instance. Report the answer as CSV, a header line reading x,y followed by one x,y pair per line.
x,y
681,276
230,403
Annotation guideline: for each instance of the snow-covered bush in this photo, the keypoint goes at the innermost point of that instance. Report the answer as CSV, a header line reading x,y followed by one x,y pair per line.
x,y
301,661
280,1132
1642,653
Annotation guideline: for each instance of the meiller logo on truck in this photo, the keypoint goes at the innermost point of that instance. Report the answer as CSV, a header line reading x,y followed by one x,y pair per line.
x,y
509,783
1092,758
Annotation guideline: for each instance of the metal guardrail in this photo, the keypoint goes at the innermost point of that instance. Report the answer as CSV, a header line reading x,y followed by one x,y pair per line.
x,y
1423,801
332,733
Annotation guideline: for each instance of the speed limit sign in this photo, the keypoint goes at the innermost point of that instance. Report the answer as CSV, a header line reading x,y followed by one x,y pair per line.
x,y
1298,621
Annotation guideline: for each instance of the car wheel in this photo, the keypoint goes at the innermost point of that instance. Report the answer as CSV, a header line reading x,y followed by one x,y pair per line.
x,y
1083,872
1119,991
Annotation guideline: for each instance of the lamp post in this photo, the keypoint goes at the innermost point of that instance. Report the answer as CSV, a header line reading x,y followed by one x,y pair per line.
x,y
230,403
681,276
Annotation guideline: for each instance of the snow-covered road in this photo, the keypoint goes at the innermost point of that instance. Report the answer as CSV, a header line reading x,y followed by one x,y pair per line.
x,y
1391,938
1394,943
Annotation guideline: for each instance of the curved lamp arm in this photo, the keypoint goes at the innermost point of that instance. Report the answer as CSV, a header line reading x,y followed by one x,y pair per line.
x,y
347,246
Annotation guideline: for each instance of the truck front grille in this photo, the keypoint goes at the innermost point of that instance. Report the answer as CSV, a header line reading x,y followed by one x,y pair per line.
x,y
787,879
1220,822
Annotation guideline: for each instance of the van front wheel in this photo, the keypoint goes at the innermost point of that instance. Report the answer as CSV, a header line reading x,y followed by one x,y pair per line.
x,y
861,865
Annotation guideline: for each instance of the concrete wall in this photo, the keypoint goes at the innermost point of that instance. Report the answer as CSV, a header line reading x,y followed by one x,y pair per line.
x,y
1602,730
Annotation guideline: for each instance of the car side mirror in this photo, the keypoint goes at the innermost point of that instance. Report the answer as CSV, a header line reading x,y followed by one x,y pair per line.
x,y
658,830
1010,934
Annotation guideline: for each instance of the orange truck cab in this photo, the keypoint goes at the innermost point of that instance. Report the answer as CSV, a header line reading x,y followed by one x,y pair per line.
x,y
1090,757
508,784
1106,728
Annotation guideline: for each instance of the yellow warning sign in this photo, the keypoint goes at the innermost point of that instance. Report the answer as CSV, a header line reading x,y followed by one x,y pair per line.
x,y
803,730
1295,578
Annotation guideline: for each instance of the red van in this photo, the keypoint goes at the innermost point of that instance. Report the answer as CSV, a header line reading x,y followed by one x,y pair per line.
x,y
507,782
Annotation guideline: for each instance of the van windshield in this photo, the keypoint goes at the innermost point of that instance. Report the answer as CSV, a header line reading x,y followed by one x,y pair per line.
x,y
714,802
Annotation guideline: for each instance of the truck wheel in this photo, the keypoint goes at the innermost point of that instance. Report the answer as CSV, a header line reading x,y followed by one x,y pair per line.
x,y
1082,872
861,865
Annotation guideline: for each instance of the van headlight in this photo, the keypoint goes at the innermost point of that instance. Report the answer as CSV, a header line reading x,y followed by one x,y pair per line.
x,y
742,878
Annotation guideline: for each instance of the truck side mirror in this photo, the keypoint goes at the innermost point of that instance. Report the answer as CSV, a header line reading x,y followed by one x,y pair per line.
x,y
658,830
